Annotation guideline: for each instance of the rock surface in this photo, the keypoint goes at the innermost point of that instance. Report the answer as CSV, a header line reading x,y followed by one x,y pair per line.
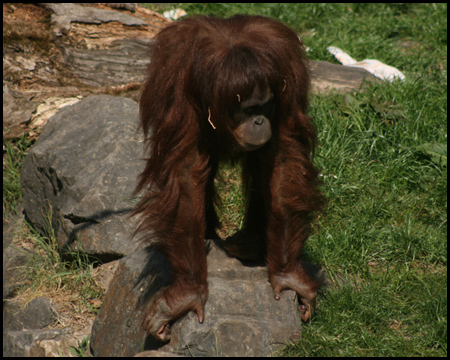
x,y
82,171
242,317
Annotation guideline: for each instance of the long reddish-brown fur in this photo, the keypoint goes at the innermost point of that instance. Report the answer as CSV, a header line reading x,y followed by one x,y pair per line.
x,y
198,67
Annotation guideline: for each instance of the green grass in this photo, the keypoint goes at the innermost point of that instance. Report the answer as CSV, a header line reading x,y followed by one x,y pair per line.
x,y
13,156
66,279
385,229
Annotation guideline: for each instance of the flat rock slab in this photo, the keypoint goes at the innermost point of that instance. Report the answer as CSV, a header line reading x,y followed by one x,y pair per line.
x,y
242,316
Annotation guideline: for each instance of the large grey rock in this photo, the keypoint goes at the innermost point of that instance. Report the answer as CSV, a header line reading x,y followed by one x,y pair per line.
x,y
242,317
81,173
